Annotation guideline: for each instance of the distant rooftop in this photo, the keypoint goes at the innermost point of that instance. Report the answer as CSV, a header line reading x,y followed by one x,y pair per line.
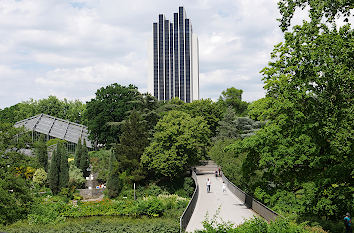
x,y
56,127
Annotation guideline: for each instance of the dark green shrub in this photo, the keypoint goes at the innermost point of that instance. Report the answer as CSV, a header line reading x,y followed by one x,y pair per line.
x,y
257,225
45,213
101,224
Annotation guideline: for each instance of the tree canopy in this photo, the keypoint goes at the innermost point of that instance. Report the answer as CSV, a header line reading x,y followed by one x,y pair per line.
x,y
319,9
64,109
111,104
179,142
303,156
232,97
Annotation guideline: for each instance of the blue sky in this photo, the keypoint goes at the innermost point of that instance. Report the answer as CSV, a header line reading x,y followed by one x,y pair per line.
x,y
71,48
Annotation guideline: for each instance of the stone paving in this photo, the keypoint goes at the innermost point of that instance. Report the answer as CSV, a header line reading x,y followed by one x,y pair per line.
x,y
226,205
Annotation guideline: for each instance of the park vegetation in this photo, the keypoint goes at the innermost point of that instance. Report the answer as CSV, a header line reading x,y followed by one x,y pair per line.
x,y
292,149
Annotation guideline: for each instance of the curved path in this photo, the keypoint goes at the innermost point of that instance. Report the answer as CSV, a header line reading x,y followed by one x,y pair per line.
x,y
226,205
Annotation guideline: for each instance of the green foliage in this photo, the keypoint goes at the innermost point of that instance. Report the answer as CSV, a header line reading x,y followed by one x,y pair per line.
x,y
40,177
319,9
206,108
84,160
313,122
15,199
46,212
148,109
114,182
232,97
64,166
99,160
257,225
133,140
232,127
153,206
78,153
102,224
110,105
173,104
53,173
227,159
179,142
258,110
58,175
68,110
41,152
300,162
181,186
75,177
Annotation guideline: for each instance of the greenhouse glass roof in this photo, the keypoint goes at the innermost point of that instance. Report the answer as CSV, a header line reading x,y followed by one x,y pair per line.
x,y
56,127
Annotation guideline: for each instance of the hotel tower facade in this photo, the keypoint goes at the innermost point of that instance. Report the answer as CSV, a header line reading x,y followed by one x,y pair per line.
x,y
174,59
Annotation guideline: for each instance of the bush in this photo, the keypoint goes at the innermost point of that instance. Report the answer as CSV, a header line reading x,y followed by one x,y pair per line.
x,y
258,225
101,224
48,212
150,206
99,160
15,199
40,176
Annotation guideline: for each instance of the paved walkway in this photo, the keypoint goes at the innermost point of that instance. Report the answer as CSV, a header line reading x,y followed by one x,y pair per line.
x,y
230,208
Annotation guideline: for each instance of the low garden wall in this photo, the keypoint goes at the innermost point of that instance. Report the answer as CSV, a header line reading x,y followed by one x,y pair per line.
x,y
91,193
187,214
250,202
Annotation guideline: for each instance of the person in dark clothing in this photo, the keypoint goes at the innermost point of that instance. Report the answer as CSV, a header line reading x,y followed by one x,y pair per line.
x,y
348,223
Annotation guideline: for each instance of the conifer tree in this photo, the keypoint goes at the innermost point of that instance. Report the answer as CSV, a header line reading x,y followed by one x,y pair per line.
x,y
53,175
78,153
84,161
133,141
58,175
41,152
113,183
64,166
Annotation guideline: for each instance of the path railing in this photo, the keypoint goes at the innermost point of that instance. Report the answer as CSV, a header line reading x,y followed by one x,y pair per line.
x,y
250,202
187,214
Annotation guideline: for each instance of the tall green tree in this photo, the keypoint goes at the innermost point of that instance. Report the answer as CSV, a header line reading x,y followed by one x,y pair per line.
x,y
111,104
233,127
41,151
232,97
133,141
149,112
84,160
64,166
227,127
78,153
179,142
53,174
305,151
114,184
58,175
210,111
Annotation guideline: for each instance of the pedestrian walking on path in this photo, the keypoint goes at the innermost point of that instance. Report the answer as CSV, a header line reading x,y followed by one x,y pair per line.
x,y
348,223
223,187
208,185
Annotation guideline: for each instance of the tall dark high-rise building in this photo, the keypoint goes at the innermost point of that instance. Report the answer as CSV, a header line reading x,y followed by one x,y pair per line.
x,y
174,59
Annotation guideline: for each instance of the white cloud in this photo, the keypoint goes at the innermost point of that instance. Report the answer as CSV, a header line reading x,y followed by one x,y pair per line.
x,y
72,48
